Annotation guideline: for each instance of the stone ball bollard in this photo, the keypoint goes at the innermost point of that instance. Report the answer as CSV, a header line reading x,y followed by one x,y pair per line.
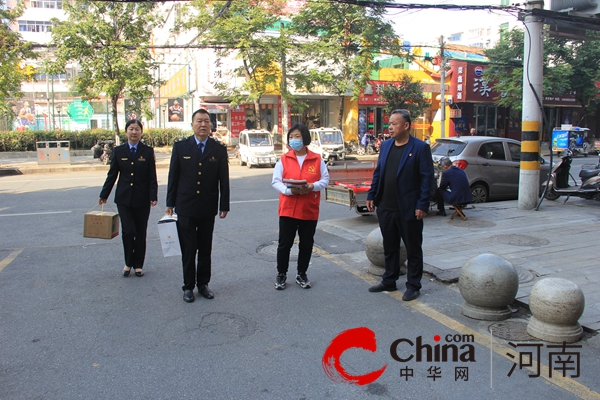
x,y
556,304
374,251
488,283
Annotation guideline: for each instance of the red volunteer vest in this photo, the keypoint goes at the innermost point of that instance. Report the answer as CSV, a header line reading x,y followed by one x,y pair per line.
x,y
305,207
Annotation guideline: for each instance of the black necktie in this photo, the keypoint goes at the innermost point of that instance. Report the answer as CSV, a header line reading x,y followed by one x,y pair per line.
x,y
133,152
200,147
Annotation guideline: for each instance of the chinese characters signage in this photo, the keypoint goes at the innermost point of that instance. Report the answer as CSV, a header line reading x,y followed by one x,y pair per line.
x,y
238,120
176,86
468,84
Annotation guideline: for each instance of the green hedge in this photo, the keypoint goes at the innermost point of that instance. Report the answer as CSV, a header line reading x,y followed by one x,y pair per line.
x,y
25,141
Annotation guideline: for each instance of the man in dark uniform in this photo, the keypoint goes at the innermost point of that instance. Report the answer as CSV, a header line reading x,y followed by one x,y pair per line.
x,y
137,190
199,171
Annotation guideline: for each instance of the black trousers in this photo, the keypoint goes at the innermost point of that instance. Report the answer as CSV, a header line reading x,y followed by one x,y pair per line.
x,y
439,199
287,233
393,229
195,238
134,224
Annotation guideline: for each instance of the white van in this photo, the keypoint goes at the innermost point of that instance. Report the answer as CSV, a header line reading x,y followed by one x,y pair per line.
x,y
328,143
255,147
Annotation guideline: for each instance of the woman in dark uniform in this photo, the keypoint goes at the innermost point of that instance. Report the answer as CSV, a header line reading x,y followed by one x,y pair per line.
x,y
137,190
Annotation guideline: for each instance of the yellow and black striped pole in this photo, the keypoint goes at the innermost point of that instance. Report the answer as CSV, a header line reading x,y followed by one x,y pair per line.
x,y
529,176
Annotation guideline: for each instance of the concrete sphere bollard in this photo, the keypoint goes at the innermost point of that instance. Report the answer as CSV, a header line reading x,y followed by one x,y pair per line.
x,y
556,304
374,251
488,283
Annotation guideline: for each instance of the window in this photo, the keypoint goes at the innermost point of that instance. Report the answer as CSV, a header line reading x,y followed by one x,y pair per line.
x,y
515,151
35,26
47,4
492,151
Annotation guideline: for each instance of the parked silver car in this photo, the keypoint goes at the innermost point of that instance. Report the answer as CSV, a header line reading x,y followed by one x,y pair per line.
x,y
491,164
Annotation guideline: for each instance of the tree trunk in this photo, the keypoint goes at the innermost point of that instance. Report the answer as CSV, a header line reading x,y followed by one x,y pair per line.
x,y
114,100
341,115
257,113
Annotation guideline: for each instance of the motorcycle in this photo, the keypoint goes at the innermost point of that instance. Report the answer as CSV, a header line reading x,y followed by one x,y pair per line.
x,y
103,150
559,180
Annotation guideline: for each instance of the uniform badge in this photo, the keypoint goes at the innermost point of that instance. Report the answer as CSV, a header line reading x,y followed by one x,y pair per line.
x,y
311,169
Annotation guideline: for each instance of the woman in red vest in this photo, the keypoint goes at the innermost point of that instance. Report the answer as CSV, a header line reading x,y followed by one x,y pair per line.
x,y
299,177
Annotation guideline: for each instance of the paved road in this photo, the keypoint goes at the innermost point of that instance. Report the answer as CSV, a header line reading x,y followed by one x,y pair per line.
x,y
72,327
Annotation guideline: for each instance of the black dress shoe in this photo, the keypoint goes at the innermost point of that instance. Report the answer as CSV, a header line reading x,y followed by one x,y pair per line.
x,y
410,295
380,287
126,272
442,213
206,292
139,272
188,296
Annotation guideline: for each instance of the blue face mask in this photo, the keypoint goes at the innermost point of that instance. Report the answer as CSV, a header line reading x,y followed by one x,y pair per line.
x,y
296,144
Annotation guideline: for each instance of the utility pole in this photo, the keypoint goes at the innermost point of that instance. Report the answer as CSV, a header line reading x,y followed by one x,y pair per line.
x,y
443,91
284,104
529,178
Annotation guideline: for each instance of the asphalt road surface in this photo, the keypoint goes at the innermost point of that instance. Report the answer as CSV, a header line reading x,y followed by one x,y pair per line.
x,y
72,327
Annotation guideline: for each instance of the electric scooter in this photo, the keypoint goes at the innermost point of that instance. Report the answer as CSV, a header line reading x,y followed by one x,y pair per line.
x,y
559,181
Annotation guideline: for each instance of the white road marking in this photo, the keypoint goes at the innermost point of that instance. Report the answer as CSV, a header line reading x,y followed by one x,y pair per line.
x,y
39,213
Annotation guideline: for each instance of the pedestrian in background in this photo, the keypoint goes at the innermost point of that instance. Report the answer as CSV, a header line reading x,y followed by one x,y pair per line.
x,y
454,187
298,205
137,190
401,191
198,174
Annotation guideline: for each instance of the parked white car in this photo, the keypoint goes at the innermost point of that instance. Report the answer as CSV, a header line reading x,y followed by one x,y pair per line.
x,y
256,148
328,143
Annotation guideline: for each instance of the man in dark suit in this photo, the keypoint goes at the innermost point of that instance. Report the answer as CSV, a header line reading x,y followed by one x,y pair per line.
x,y
137,190
401,190
198,173
454,187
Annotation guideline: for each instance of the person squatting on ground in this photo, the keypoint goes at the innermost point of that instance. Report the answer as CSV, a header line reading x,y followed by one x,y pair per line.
x,y
133,162
454,187
298,206
198,173
401,191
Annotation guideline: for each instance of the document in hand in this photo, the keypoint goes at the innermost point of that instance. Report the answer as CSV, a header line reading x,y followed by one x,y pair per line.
x,y
295,183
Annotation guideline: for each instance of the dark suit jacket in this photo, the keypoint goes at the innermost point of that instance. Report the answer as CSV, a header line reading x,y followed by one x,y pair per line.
x,y
195,182
413,178
455,179
137,184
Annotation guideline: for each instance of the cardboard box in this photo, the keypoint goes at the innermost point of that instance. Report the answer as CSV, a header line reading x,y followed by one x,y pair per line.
x,y
101,224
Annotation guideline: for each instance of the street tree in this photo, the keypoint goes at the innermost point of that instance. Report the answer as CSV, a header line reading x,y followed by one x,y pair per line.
x,y
110,42
569,68
238,29
339,44
13,53
405,94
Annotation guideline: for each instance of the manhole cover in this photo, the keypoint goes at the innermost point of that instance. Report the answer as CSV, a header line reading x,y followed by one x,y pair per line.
x,y
515,329
520,240
471,223
524,275
271,249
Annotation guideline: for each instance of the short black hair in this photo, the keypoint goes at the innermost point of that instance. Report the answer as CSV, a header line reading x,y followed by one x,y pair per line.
x,y
134,121
405,114
201,111
303,130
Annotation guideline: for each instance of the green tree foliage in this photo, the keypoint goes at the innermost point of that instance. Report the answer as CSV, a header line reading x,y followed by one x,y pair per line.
x,y
13,50
237,29
569,67
406,94
110,41
338,45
